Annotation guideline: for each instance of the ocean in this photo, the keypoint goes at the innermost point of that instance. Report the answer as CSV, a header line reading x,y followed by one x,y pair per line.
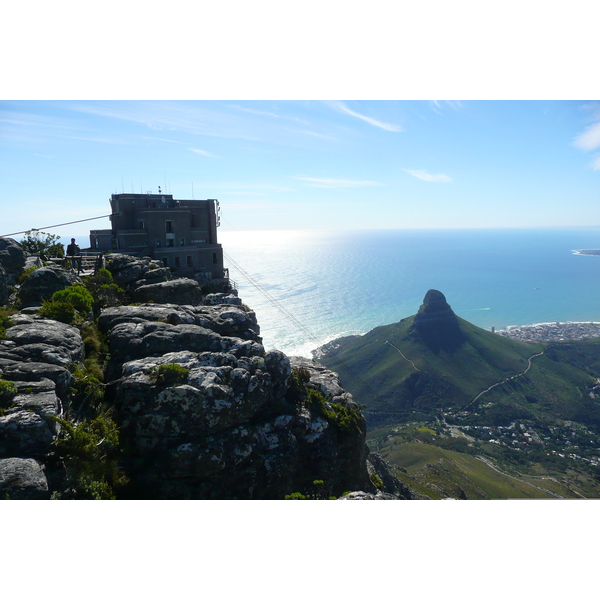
x,y
310,287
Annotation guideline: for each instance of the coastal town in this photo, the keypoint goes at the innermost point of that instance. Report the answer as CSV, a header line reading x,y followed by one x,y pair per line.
x,y
552,332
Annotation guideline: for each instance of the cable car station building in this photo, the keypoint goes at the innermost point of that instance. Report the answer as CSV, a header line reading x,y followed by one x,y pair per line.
x,y
181,233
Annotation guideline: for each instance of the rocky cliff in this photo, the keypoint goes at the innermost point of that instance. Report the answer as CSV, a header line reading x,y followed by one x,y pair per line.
x,y
200,410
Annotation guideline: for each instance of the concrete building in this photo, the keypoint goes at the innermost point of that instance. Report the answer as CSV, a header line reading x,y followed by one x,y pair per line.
x,y
181,233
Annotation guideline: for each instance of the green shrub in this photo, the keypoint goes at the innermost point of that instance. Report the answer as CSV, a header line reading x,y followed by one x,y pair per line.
x,y
376,481
87,389
5,320
89,451
102,276
58,311
296,496
169,374
8,390
77,295
348,421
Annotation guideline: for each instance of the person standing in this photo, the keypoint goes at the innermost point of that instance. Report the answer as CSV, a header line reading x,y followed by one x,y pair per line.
x,y
74,251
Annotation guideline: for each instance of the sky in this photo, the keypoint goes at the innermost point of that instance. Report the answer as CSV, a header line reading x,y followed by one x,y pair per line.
x,y
334,164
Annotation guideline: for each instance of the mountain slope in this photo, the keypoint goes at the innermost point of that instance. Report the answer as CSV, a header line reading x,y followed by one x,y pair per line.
x,y
436,360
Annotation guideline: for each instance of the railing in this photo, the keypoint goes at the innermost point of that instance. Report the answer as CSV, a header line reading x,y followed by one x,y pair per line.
x,y
86,261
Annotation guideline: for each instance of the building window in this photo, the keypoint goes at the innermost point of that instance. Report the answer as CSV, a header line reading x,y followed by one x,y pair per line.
x,y
214,258
182,241
189,261
170,243
177,262
158,242
141,224
169,226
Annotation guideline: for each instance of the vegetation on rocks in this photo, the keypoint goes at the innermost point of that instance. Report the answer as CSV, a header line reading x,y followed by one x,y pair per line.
x,y
171,374
40,242
5,320
89,451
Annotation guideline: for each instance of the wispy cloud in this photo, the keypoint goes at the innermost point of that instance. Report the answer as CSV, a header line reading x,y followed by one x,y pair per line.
x,y
437,105
266,113
589,139
425,176
341,106
321,136
335,183
202,152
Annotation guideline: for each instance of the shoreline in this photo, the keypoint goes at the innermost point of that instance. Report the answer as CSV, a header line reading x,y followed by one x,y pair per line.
x,y
556,331
553,332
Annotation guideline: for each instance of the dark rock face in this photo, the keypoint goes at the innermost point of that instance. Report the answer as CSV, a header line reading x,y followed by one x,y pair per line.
x,y
225,429
437,324
12,258
42,283
3,286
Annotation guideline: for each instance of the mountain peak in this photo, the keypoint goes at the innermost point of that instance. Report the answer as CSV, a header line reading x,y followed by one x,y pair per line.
x,y
437,323
434,308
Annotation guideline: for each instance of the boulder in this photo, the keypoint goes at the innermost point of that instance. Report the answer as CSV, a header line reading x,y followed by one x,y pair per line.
x,y
167,313
45,340
130,269
24,433
22,479
12,258
223,319
14,370
222,298
42,283
177,291
323,380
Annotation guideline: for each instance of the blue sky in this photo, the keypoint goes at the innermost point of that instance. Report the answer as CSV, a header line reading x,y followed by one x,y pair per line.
x,y
306,164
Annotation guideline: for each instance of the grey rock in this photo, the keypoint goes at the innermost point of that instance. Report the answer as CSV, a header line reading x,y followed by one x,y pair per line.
x,y
325,381
33,261
279,367
168,313
37,372
177,291
45,340
137,340
228,320
24,433
222,298
3,286
42,283
12,258
368,496
22,479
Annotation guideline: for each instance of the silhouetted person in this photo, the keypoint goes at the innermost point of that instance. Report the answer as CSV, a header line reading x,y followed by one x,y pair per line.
x,y
74,252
